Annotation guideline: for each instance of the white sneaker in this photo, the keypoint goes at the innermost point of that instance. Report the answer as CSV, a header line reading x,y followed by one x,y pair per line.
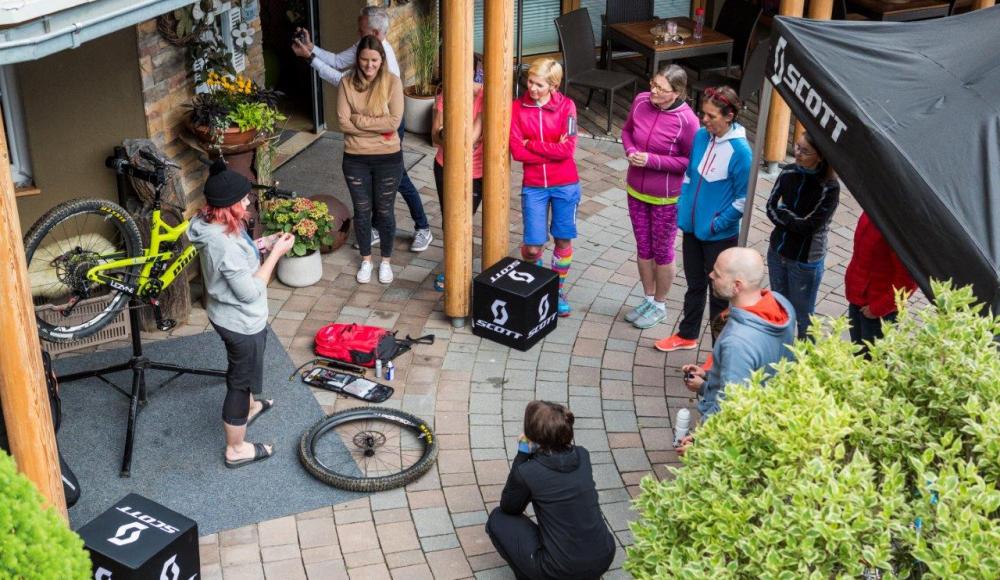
x,y
365,272
384,272
421,240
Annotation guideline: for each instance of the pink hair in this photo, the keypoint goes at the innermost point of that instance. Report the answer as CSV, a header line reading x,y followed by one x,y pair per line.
x,y
233,217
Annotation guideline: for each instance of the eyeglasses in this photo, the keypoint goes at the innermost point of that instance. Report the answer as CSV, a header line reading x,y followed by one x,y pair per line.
x,y
803,151
655,88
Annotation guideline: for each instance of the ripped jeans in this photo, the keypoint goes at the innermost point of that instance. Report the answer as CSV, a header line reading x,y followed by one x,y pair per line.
x,y
373,181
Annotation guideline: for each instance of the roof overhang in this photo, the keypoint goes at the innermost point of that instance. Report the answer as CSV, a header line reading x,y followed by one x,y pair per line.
x,y
33,29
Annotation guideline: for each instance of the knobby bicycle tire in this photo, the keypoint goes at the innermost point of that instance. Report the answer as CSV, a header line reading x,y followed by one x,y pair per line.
x,y
112,215
353,482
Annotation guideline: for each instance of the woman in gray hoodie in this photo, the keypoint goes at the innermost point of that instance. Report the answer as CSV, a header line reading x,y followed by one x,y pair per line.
x,y
236,285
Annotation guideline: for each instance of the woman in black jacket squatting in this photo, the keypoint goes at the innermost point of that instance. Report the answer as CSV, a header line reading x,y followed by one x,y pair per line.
x,y
571,540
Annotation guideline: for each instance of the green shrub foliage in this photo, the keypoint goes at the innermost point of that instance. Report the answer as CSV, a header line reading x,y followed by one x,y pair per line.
x,y
842,467
35,544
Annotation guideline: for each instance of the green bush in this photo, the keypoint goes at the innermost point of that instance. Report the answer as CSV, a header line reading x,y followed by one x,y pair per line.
x,y
842,467
34,543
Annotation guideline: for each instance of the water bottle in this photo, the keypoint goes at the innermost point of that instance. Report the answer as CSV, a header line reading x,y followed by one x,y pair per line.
x,y
681,425
699,23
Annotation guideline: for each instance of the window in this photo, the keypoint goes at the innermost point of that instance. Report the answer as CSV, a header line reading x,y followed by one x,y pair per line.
x,y
13,119
661,9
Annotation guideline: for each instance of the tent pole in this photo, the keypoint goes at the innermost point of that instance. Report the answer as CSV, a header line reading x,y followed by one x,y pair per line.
x,y
25,397
758,148
980,4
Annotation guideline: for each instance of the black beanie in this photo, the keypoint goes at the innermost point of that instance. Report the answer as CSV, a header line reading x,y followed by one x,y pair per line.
x,y
225,187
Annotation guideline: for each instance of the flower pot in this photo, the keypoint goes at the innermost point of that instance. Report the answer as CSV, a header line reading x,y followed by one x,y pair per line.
x,y
300,271
417,112
233,140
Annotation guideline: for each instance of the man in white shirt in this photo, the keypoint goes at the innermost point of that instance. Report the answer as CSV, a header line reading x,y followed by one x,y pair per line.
x,y
331,67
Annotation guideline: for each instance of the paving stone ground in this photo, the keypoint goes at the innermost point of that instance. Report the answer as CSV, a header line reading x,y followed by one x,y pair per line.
x,y
621,389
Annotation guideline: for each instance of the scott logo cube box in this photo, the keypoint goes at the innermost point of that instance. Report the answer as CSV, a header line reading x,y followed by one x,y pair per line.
x,y
138,538
515,303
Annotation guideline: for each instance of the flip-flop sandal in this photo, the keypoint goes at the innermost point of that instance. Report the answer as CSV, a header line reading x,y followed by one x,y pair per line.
x,y
260,453
265,404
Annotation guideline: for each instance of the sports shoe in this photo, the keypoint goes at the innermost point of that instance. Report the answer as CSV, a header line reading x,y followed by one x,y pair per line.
x,y
638,311
675,342
422,240
385,272
563,308
439,283
651,317
365,272
375,240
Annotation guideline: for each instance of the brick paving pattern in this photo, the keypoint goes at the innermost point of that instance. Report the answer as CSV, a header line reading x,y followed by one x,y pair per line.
x,y
622,391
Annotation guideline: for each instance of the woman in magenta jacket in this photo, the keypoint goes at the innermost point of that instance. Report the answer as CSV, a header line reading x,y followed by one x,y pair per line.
x,y
543,138
657,139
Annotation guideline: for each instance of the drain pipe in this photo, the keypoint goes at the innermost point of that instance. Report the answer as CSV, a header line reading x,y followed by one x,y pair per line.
x,y
30,44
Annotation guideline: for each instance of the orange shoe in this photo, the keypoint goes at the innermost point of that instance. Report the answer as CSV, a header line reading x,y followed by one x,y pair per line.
x,y
707,365
675,342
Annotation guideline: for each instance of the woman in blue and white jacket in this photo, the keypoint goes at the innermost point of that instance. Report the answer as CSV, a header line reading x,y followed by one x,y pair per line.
x,y
710,207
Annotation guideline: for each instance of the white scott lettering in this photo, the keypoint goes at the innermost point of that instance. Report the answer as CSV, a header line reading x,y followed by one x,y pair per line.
x,y
789,75
498,329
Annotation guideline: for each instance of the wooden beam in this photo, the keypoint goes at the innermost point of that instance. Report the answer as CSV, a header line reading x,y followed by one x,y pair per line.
x,y
776,145
818,10
457,25
980,4
23,393
499,49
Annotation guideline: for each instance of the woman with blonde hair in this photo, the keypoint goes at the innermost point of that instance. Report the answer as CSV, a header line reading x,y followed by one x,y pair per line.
x,y
543,139
369,109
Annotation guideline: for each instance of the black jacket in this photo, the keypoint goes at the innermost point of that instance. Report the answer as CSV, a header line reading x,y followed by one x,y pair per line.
x,y
575,539
801,207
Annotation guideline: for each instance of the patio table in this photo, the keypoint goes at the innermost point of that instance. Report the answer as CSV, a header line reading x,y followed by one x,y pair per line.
x,y
899,11
637,36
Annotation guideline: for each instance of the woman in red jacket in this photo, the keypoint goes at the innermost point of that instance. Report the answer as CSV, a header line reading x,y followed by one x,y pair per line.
x,y
543,138
871,281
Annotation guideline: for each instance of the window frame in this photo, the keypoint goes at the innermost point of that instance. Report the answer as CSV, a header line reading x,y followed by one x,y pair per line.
x,y
16,133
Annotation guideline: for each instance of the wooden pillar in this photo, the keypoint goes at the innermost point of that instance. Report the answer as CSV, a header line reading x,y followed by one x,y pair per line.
x,y
980,4
778,119
818,10
23,393
499,41
457,26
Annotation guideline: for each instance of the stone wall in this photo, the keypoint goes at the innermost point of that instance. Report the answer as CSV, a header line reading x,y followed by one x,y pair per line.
x,y
167,87
403,20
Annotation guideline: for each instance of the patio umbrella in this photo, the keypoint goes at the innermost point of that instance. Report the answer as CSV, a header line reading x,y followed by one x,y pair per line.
x,y
909,116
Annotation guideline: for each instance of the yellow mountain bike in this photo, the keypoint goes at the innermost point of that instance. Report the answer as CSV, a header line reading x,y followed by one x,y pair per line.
x,y
85,248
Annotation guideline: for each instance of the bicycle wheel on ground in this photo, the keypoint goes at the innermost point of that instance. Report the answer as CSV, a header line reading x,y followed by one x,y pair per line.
x,y
368,449
61,247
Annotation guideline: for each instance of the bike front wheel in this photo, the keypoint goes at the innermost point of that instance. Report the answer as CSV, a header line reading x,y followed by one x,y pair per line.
x,y
61,247
368,449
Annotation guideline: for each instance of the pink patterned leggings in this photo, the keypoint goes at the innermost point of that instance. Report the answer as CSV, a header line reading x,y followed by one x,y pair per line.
x,y
655,229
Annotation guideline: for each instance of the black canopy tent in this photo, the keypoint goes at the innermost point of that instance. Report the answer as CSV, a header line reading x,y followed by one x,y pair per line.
x,y
909,115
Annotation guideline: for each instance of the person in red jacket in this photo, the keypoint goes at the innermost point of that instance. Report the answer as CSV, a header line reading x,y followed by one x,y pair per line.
x,y
543,138
871,281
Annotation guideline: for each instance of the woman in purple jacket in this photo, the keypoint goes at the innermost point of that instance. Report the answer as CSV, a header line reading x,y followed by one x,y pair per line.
x,y
657,138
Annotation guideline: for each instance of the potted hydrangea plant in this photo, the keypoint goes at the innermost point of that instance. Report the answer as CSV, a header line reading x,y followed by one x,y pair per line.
x,y
311,224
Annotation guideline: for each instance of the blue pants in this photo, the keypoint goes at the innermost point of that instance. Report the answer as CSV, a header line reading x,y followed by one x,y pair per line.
x,y
535,204
410,194
797,281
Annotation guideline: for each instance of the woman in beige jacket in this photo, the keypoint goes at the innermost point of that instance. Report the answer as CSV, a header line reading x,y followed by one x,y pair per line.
x,y
369,108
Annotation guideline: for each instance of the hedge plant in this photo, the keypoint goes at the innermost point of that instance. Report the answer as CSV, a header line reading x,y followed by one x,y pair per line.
x,y
843,467
35,543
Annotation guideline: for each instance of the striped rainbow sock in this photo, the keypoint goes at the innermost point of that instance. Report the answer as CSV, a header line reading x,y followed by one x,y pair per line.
x,y
561,260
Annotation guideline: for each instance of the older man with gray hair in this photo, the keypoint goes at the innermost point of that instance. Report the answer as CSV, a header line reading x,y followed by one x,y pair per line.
x,y
331,67
760,326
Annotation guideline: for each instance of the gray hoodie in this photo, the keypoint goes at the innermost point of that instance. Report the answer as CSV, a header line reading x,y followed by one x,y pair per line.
x,y
747,343
237,300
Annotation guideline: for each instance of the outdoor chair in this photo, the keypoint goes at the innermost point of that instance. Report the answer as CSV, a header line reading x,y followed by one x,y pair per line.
x,y
748,86
619,11
738,20
576,38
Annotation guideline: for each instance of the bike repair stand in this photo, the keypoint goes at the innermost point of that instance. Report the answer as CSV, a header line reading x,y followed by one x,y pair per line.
x,y
138,363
